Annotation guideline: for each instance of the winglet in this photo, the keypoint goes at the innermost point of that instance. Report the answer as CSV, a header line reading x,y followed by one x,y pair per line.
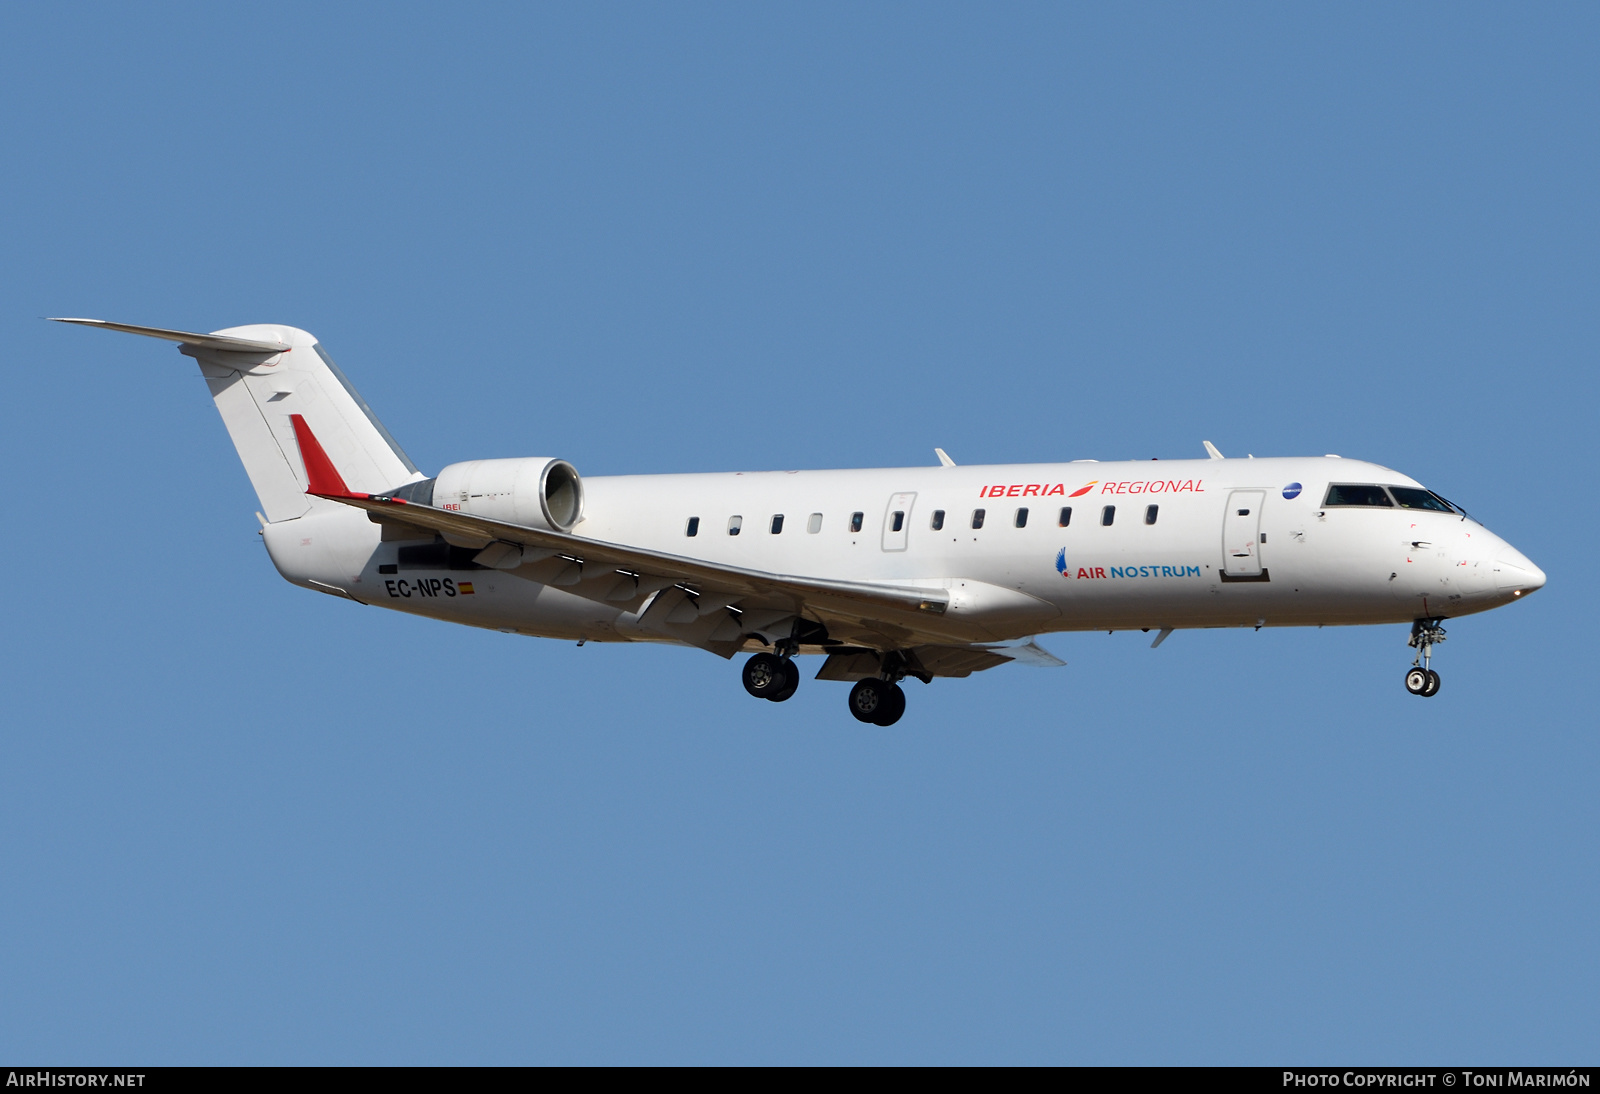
x,y
323,478
1026,652
944,458
1211,450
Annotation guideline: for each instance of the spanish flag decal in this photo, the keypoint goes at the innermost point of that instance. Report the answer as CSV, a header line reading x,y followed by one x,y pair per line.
x,y
465,587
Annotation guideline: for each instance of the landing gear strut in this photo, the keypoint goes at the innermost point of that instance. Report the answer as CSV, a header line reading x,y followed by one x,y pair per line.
x,y
1420,679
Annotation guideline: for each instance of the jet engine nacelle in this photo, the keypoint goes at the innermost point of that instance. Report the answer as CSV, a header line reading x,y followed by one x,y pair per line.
x,y
537,492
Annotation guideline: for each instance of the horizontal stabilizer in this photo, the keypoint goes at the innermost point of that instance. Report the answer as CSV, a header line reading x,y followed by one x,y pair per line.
x,y
188,338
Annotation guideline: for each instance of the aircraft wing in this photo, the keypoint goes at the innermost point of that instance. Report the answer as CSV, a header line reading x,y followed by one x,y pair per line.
x,y
510,546
702,603
699,603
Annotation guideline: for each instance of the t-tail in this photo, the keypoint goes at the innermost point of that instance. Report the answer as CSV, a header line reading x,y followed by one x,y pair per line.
x,y
262,377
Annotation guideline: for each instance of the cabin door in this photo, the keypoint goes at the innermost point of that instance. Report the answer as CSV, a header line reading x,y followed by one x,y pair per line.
x,y
897,521
1241,534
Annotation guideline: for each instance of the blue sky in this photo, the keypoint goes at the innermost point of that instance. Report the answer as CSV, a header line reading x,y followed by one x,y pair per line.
x,y
241,823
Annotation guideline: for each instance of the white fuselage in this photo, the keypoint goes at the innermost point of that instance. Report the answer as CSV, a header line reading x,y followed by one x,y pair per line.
x,y
1232,543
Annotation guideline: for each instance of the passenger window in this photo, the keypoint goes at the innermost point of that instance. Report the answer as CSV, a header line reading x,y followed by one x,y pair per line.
x,y
1022,518
1410,497
1107,515
977,518
693,527
1345,494
899,520
855,521
777,523
1066,516
814,523
938,520
1150,512
734,524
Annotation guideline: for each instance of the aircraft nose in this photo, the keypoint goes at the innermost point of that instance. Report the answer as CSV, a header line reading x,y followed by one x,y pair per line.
x,y
1517,574
1535,579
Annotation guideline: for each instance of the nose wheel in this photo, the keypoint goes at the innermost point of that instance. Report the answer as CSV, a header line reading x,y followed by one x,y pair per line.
x,y
1420,678
1423,682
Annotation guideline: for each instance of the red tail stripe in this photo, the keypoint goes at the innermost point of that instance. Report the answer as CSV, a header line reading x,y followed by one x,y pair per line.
x,y
323,478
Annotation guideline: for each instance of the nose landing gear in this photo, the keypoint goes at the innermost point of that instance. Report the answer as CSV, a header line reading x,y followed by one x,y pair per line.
x,y
1420,679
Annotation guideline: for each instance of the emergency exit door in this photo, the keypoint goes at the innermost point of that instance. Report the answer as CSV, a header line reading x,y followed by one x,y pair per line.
x,y
1241,534
897,521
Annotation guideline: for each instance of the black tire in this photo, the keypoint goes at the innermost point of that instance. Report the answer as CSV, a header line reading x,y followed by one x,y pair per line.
x,y
764,676
1417,680
867,698
893,707
1432,687
791,681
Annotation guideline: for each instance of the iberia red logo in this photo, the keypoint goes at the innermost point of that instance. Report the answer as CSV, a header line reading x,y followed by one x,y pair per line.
x,y
1129,486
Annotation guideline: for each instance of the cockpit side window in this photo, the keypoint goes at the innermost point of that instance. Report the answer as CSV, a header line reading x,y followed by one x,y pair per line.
x,y
1410,497
1347,494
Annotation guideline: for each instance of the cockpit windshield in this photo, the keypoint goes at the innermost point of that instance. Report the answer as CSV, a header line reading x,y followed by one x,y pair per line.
x,y
1410,497
1388,497
1341,493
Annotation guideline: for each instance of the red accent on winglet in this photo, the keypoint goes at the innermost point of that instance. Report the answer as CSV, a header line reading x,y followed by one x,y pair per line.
x,y
324,477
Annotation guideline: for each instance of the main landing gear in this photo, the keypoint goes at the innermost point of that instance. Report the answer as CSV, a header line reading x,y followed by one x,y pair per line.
x,y
879,702
769,676
774,676
1420,679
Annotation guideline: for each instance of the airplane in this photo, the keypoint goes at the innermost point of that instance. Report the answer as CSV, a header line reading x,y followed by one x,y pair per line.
x,y
889,574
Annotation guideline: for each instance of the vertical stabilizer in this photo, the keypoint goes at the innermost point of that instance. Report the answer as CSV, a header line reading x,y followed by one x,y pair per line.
x,y
260,376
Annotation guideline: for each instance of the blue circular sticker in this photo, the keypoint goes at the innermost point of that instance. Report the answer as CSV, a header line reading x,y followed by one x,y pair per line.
x,y
1292,490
